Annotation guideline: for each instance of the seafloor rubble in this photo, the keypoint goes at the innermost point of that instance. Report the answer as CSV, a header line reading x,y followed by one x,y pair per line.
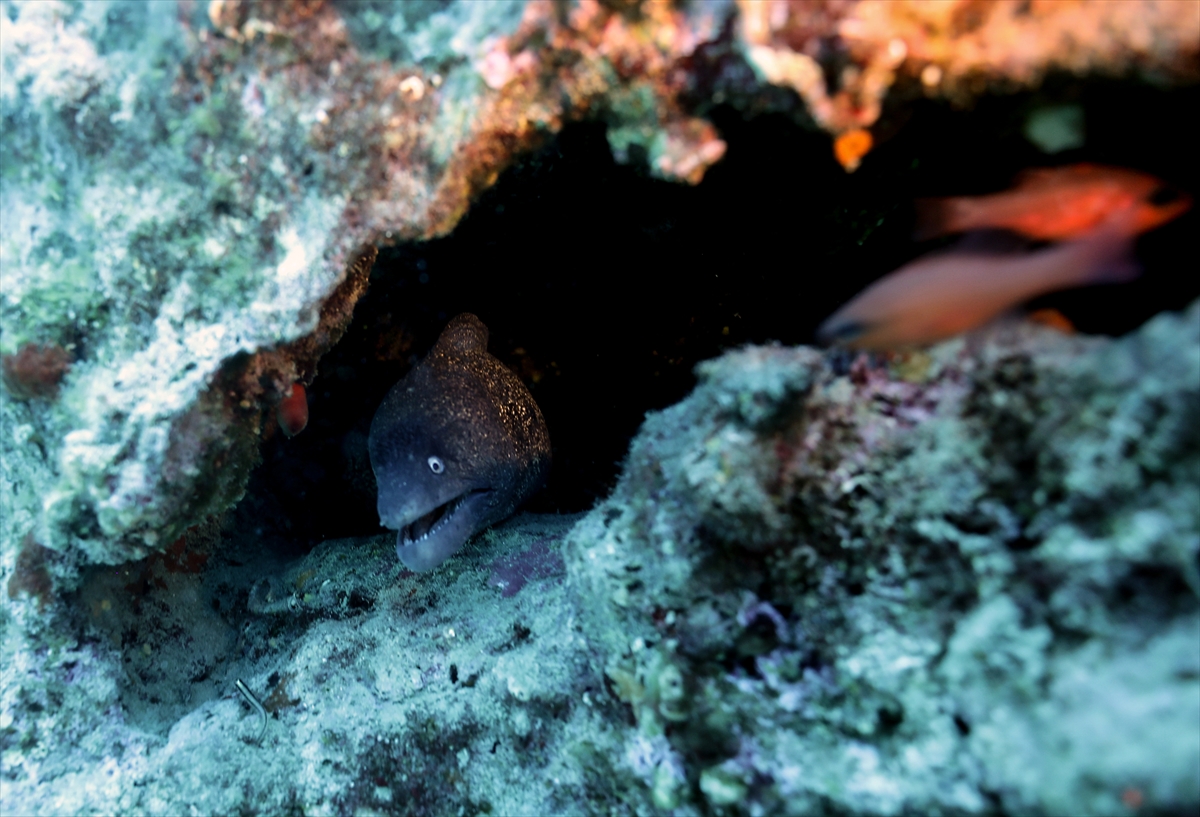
x,y
962,581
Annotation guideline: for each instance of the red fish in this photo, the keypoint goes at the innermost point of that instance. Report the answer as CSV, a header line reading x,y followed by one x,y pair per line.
x,y
1058,203
293,411
946,293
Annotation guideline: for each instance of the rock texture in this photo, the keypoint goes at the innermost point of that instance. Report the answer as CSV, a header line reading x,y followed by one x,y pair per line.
x,y
193,191
957,581
963,581
955,48
193,196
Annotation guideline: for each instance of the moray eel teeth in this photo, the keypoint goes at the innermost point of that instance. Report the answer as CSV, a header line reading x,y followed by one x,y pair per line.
x,y
437,520
456,446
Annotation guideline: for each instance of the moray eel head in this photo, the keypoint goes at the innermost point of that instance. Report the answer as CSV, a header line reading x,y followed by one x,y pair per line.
x,y
456,446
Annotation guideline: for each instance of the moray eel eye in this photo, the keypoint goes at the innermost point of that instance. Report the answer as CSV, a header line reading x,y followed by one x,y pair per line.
x,y
436,465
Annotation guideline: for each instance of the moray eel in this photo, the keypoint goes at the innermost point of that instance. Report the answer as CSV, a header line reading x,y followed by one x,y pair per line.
x,y
456,446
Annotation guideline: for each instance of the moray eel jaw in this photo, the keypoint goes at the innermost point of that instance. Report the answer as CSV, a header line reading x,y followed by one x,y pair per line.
x,y
427,540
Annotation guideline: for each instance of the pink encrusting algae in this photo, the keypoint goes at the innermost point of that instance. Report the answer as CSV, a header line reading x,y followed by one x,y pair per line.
x,y
293,411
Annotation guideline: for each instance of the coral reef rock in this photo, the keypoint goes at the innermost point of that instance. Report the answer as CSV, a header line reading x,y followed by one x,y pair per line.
x,y
955,48
958,581
194,191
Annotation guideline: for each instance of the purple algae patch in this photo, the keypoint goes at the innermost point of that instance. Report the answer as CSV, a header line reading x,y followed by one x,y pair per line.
x,y
512,571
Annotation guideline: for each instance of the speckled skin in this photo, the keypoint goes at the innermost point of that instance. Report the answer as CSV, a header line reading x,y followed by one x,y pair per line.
x,y
465,408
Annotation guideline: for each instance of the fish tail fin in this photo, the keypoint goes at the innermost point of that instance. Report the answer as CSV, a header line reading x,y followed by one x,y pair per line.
x,y
1114,238
838,330
1108,256
938,217
1052,319
1118,269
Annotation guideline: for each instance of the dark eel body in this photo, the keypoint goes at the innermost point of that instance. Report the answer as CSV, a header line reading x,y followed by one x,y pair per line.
x,y
456,446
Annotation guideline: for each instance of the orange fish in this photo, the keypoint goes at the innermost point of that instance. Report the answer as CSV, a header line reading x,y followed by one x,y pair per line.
x,y
1057,203
946,293
850,148
1052,319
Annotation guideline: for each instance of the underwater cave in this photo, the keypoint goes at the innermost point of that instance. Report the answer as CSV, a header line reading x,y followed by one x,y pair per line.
x,y
603,287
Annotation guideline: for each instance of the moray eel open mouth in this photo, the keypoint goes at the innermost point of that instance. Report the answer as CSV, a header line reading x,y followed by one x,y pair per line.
x,y
425,542
436,520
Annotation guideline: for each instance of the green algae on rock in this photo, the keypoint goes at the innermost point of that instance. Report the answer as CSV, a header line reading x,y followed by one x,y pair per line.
x,y
965,588
964,581
187,188
956,594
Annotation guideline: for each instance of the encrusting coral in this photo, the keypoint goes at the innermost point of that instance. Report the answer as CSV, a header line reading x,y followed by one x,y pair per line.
x,y
874,576
954,48
215,266
961,580
227,168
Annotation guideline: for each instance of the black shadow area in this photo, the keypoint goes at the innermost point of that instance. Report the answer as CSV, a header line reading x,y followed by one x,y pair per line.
x,y
603,287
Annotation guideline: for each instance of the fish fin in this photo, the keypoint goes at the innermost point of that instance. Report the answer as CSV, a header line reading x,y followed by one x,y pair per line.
x,y
992,242
1052,319
936,217
1109,255
833,332
1119,269
1039,176
1115,261
1033,176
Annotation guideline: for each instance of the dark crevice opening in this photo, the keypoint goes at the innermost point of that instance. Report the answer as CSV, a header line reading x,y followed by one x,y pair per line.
x,y
603,287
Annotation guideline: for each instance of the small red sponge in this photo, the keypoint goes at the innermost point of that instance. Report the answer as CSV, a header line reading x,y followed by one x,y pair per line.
x,y
293,411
